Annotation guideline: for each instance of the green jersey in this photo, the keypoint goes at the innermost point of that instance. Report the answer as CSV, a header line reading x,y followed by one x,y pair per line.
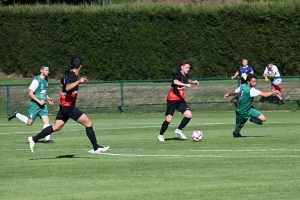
x,y
39,87
246,94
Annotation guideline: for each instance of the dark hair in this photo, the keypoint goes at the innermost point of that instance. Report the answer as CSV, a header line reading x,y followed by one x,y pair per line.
x,y
43,66
76,62
250,76
270,62
185,62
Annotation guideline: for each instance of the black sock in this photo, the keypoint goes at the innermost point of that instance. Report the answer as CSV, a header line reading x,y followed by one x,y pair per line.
x,y
91,135
164,127
46,131
184,122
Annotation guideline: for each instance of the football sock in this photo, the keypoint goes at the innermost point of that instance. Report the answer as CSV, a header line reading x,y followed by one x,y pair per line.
x,y
43,133
91,135
22,118
184,122
48,136
237,130
164,127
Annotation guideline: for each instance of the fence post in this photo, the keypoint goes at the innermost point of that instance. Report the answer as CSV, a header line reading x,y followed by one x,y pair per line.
x,y
122,97
8,99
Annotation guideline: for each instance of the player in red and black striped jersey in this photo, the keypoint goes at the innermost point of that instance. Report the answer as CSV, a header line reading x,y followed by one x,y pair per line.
x,y
176,101
69,84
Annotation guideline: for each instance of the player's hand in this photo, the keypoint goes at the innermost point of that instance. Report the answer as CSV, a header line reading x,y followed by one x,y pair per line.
x,y
196,82
187,85
50,101
226,95
41,102
266,79
233,77
81,80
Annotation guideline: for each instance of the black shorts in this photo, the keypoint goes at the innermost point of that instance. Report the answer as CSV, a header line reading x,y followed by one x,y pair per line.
x,y
180,105
67,112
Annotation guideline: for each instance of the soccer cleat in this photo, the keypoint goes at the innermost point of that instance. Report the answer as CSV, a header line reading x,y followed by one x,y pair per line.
x,y
252,120
101,149
12,115
31,144
236,135
49,142
179,132
161,138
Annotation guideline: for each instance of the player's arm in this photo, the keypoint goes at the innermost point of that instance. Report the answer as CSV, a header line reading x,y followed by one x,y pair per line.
x,y
179,83
72,85
235,75
267,94
194,82
50,100
232,93
33,97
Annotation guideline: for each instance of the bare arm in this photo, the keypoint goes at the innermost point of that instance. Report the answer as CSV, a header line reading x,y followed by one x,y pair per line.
x,y
232,93
194,82
73,85
235,75
267,94
31,94
177,82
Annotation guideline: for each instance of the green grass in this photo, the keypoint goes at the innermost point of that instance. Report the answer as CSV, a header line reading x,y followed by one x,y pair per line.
x,y
263,165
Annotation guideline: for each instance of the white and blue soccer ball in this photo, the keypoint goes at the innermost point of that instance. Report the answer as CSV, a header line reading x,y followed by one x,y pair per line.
x,y
197,135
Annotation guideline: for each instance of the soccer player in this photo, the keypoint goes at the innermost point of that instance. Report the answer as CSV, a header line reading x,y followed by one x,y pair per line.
x,y
69,84
37,106
245,110
271,71
243,71
176,100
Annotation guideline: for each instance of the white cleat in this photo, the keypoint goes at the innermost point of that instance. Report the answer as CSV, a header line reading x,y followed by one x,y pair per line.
x,y
31,144
161,138
179,132
101,150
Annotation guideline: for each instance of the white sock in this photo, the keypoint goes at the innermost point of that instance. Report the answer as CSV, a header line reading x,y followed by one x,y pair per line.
x,y
48,136
22,118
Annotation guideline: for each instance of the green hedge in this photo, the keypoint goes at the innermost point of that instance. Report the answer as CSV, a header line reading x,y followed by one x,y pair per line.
x,y
149,42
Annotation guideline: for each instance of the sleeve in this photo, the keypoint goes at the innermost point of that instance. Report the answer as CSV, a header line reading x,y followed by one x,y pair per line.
x,y
254,92
238,90
34,85
71,79
266,70
275,69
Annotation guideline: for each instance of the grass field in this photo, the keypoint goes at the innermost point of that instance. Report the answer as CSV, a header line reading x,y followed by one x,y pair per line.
x,y
262,165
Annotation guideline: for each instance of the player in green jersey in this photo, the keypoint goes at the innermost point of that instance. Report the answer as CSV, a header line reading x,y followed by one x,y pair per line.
x,y
37,106
245,110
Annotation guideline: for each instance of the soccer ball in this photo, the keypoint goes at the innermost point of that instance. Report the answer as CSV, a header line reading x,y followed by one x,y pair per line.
x,y
197,135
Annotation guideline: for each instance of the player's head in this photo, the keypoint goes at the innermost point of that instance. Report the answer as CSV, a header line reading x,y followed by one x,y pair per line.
x,y
76,62
185,66
251,80
44,70
270,63
245,62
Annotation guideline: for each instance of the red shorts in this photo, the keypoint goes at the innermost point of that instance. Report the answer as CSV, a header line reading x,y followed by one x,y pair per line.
x,y
277,87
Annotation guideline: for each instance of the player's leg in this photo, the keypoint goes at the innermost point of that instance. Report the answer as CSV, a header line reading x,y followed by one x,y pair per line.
x,y
240,121
33,109
256,116
45,117
83,119
279,95
58,124
171,107
185,110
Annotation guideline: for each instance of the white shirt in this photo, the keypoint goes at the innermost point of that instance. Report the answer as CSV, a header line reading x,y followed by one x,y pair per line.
x,y
274,80
34,85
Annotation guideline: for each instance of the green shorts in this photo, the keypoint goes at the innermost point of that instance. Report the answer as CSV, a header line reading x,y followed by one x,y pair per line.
x,y
241,118
35,110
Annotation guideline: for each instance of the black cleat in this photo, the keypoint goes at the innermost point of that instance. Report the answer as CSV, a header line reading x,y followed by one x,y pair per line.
x,y
12,115
49,142
280,102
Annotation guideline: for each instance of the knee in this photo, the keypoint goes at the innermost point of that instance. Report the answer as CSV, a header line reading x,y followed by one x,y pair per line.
x,y
89,124
188,114
169,118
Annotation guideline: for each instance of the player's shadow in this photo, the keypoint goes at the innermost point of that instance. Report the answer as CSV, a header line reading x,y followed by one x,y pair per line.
x,y
59,157
252,136
178,139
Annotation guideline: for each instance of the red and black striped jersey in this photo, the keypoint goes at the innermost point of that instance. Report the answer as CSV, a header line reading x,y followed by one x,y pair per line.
x,y
177,92
68,98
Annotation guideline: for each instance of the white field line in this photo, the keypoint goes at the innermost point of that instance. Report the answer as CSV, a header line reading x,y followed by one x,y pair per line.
x,y
119,126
